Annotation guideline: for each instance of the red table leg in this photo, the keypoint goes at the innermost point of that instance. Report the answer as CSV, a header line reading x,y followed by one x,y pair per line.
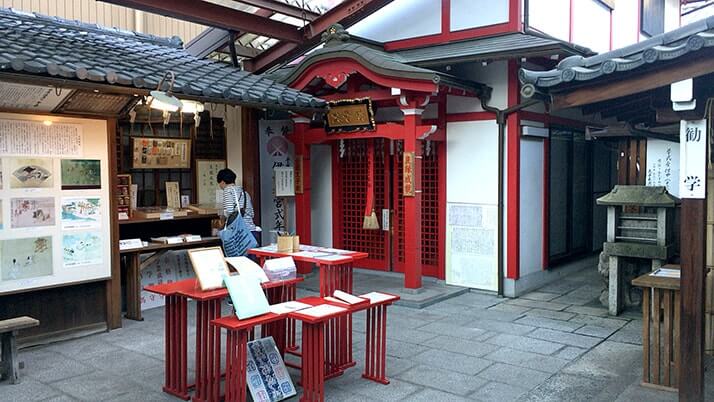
x,y
175,347
208,352
313,375
291,344
375,365
236,366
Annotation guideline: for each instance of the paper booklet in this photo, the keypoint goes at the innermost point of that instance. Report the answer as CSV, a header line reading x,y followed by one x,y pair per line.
x,y
322,310
667,273
246,266
376,297
347,298
286,307
247,296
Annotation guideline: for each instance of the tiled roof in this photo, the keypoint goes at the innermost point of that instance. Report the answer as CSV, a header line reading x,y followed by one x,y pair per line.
x,y
508,45
657,49
70,50
339,44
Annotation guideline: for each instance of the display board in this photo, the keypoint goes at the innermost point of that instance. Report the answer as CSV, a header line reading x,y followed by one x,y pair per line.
x,y
471,241
54,202
161,153
206,185
275,152
663,165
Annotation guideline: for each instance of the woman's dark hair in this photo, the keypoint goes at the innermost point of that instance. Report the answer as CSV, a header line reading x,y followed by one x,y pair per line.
x,y
227,176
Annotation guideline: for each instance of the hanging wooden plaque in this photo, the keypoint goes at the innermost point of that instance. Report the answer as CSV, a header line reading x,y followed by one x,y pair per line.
x,y
350,115
408,174
298,174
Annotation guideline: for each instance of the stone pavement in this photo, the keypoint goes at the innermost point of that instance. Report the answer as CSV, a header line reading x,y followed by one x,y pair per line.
x,y
556,344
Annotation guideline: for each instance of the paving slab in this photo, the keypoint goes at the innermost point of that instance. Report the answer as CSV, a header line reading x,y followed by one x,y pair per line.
x,y
570,353
505,327
636,392
596,311
540,296
565,338
610,360
28,389
458,345
433,395
498,392
539,304
510,308
443,380
455,362
546,364
615,323
96,386
566,387
441,328
526,344
513,375
596,331
556,315
543,322
394,391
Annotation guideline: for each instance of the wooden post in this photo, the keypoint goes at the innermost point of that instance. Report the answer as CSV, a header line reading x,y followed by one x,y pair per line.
x,y
412,110
691,371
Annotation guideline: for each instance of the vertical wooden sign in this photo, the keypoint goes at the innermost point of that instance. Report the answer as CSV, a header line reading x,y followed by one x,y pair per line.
x,y
408,174
298,174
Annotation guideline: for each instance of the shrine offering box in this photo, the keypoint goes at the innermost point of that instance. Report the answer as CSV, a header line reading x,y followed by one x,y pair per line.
x,y
280,269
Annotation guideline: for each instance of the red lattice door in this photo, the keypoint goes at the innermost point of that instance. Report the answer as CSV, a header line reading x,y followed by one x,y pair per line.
x,y
352,189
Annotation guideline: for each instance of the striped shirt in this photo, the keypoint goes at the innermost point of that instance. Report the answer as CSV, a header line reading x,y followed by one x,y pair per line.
x,y
233,198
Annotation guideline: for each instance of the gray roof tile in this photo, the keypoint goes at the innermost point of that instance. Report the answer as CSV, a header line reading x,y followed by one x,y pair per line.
x,y
657,49
37,44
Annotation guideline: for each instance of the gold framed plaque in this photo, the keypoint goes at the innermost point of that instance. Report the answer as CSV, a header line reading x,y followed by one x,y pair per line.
x,y
408,174
350,115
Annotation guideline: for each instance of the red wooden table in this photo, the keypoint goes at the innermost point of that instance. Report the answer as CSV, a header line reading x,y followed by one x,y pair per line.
x,y
208,340
315,346
335,274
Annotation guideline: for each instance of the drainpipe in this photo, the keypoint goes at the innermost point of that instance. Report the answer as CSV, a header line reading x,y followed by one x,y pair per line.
x,y
501,116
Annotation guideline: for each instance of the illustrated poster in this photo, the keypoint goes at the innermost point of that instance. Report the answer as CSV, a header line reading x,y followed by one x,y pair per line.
x,y
268,379
80,174
32,212
25,258
31,173
81,212
82,249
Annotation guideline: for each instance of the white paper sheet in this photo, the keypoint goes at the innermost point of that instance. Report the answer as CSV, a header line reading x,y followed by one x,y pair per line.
x,y
347,298
322,310
667,273
376,297
284,308
245,266
333,257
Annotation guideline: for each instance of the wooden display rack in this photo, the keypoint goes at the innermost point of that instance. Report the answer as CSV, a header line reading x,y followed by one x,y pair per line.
x,y
123,194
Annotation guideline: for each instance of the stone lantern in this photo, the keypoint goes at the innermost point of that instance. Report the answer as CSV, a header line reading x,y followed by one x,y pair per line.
x,y
647,233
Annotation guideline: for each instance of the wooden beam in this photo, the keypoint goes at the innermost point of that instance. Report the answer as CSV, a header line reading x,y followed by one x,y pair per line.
x,y
346,13
282,8
693,247
598,90
215,15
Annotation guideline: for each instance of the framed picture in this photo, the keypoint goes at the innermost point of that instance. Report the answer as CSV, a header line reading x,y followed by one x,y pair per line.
x,y
31,173
210,266
80,174
32,212
206,186
161,153
173,195
25,258
82,249
81,212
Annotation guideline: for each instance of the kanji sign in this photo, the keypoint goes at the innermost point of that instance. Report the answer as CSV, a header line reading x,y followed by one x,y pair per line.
x,y
693,158
408,174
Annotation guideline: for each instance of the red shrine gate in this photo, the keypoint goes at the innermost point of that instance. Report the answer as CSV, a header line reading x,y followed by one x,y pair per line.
x,y
373,157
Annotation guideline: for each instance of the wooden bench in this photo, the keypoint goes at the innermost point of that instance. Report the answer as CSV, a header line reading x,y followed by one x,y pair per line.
x,y
9,365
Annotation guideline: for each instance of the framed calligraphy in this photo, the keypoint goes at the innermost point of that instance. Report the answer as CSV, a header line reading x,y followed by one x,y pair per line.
x,y
350,115
408,174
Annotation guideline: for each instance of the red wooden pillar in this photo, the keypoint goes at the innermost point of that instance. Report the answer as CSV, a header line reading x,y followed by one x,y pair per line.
x,y
303,221
412,110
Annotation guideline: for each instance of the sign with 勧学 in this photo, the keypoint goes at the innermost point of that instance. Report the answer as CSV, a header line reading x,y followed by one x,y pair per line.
x,y
693,158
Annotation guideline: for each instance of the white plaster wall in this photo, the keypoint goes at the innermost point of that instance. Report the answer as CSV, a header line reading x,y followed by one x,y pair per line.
x,y
472,165
494,75
591,25
531,206
671,15
624,23
467,14
551,17
472,184
321,195
401,19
